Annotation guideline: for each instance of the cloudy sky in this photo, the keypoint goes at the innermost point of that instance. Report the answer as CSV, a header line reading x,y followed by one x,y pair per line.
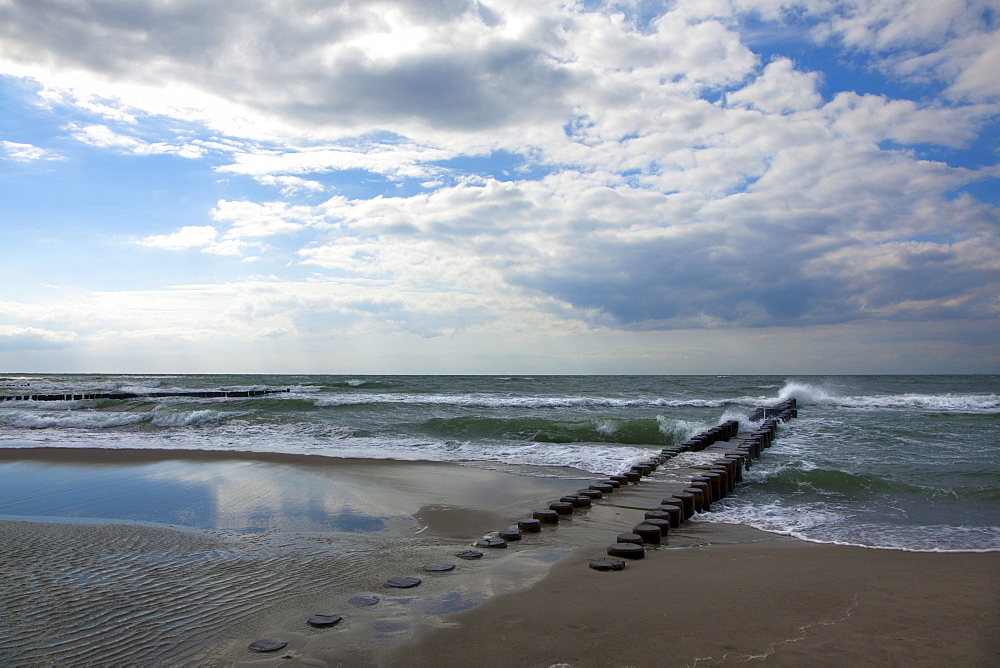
x,y
503,186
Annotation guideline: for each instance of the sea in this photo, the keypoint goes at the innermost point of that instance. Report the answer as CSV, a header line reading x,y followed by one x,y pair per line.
x,y
888,462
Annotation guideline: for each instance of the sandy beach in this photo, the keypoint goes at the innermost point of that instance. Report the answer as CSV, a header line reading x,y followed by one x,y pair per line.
x,y
728,595
148,579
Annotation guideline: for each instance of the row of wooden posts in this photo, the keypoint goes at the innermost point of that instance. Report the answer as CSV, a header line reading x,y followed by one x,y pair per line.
x,y
209,394
709,482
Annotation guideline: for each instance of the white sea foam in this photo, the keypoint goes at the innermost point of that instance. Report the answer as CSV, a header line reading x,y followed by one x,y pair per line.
x,y
97,420
188,418
69,419
607,427
743,417
806,394
226,431
503,401
679,430
826,523
593,458
950,403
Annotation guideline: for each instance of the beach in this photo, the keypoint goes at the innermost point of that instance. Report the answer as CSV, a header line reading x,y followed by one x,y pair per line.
x,y
729,595
152,581
187,517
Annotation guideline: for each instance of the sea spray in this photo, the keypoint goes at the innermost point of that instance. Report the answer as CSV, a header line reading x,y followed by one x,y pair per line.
x,y
805,393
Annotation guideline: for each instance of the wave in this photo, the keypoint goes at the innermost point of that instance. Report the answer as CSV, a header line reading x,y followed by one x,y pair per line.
x,y
660,431
509,401
973,403
874,478
189,418
945,403
561,460
601,459
806,477
359,382
805,393
95,420
820,522
71,420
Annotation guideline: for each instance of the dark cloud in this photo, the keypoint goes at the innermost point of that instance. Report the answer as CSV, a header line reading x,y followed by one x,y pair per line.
x,y
289,59
677,285
463,91
115,38
795,278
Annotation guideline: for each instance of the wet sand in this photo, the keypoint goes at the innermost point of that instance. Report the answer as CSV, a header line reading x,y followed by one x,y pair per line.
x,y
187,557
126,557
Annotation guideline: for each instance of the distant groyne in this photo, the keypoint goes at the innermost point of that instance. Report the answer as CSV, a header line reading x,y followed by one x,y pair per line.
x,y
76,396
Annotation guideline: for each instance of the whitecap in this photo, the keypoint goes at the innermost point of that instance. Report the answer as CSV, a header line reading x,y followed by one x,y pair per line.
x,y
83,419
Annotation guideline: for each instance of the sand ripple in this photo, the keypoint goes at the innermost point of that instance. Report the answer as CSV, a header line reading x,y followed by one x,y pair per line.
x,y
117,594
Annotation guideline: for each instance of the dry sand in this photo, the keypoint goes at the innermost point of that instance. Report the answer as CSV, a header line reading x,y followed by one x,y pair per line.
x,y
111,592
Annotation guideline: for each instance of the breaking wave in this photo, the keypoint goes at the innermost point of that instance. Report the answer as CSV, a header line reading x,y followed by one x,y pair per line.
x,y
97,420
659,431
508,401
806,394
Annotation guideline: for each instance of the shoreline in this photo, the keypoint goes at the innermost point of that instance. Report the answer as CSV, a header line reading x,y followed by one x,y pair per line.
x,y
715,593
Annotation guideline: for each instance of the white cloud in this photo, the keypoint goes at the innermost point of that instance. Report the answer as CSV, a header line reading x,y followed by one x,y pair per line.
x,y
953,41
780,89
392,160
189,236
652,260
252,220
290,185
13,337
876,118
26,152
248,221
227,247
970,64
104,137
353,256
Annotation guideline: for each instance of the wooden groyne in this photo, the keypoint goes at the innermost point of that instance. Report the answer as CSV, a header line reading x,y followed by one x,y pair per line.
x,y
210,394
672,492
663,493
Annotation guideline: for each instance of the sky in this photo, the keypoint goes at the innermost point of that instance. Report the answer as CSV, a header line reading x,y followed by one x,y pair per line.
x,y
502,186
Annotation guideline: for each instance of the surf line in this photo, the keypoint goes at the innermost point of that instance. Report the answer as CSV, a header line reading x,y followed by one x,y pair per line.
x,y
211,394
